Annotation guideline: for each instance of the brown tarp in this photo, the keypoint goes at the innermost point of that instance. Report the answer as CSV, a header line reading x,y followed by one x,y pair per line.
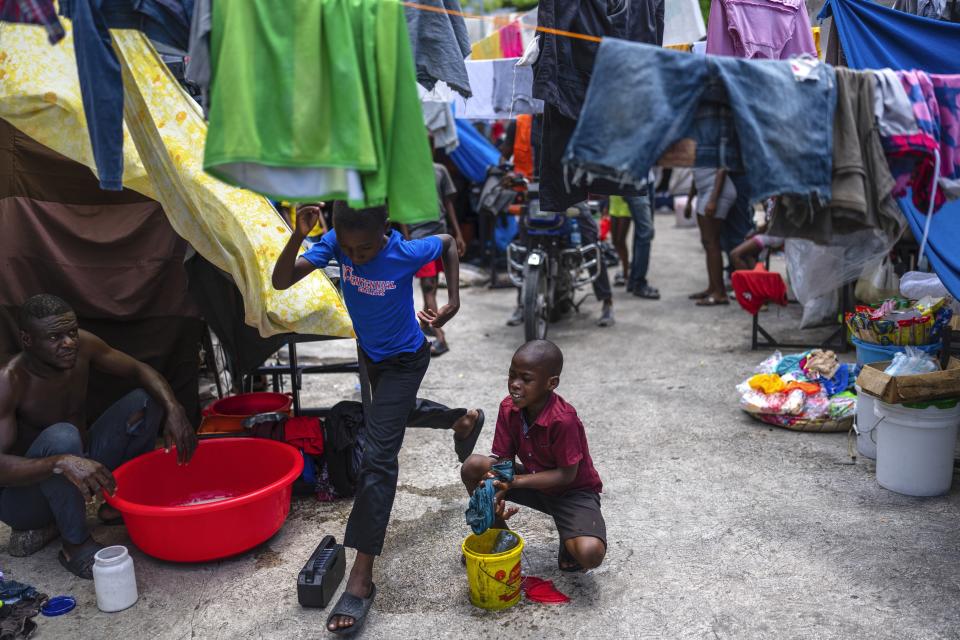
x,y
110,254
113,256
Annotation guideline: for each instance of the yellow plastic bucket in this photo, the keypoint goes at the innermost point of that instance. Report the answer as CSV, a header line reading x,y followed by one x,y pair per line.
x,y
494,577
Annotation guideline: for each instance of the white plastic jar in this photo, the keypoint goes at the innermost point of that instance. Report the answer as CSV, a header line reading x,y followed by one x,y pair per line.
x,y
114,579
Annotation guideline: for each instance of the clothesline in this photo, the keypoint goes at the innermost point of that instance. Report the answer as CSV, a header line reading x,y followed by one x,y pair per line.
x,y
463,14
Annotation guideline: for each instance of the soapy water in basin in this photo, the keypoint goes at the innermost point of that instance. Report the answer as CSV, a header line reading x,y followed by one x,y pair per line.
x,y
203,498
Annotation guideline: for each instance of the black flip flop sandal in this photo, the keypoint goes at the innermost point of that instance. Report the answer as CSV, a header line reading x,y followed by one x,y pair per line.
x,y
351,606
438,349
564,557
465,446
80,565
711,301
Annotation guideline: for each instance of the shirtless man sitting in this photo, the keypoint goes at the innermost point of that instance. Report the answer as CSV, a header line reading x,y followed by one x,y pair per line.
x,y
49,462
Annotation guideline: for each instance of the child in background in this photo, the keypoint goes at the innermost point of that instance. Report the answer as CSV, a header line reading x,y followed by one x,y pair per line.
x,y
747,254
429,274
376,269
554,473
620,219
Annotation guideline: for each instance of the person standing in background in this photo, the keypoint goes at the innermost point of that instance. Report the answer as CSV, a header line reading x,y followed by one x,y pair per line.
x,y
429,274
716,196
619,227
641,210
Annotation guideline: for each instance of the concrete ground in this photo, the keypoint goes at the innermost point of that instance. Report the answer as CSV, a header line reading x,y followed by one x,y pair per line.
x,y
719,527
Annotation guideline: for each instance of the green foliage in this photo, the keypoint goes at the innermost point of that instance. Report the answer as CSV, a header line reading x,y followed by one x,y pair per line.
x,y
705,8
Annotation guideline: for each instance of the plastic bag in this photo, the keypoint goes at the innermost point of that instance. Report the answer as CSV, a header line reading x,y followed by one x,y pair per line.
x,y
820,270
770,364
911,363
843,405
916,285
877,282
818,406
774,403
820,311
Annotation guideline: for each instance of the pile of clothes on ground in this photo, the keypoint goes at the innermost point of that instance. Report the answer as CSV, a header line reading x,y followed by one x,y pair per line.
x,y
19,605
801,387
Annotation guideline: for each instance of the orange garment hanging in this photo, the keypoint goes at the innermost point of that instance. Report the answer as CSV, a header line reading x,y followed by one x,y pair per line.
x,y
522,147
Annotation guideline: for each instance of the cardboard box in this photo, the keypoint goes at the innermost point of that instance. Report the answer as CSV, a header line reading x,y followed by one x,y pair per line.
x,y
940,385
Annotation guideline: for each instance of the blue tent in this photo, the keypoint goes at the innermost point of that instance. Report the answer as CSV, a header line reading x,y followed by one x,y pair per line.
x,y
875,37
475,154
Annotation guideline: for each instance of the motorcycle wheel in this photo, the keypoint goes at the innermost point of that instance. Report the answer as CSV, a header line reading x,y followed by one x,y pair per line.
x,y
534,303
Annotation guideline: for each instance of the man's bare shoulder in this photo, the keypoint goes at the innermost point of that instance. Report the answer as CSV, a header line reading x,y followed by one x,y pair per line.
x,y
12,379
90,344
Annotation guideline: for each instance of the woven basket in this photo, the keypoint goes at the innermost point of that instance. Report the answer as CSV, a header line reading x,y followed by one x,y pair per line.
x,y
822,425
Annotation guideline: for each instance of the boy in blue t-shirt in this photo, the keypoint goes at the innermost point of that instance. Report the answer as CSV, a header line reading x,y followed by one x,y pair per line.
x,y
376,276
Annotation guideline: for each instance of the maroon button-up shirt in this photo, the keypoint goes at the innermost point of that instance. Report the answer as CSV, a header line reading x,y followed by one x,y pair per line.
x,y
555,439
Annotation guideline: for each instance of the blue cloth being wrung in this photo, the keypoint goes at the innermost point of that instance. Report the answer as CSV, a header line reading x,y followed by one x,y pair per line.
x,y
480,511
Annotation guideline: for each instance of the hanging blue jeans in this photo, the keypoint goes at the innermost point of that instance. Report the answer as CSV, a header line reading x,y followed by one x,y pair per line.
x,y
101,88
642,214
101,85
642,99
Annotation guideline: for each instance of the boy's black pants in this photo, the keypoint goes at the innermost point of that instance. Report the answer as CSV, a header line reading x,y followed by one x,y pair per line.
x,y
395,406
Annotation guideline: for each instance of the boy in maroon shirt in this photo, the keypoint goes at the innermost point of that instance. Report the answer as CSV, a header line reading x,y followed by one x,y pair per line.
x,y
544,437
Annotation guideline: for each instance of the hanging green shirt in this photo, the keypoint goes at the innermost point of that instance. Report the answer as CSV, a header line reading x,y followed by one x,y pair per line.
x,y
317,100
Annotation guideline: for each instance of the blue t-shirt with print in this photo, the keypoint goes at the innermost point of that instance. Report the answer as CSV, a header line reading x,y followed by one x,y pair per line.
x,y
379,294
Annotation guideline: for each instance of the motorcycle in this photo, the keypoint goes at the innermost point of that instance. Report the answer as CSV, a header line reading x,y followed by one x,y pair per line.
x,y
549,264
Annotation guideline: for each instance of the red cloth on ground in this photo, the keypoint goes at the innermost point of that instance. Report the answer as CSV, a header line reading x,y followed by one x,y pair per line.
x,y
540,590
304,433
758,287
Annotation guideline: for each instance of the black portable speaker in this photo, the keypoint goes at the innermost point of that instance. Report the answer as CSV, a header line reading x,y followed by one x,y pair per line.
x,y
320,577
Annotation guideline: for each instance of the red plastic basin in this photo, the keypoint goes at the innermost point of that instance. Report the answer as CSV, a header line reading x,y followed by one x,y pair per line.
x,y
250,404
234,494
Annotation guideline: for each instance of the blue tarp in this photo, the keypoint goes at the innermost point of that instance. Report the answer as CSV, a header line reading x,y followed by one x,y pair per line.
x,y
875,37
475,154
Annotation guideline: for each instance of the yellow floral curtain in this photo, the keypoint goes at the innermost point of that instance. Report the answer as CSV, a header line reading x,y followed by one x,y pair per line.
x,y
164,133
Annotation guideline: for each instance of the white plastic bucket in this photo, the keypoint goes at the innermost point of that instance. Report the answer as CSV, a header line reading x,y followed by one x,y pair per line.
x,y
865,425
915,448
